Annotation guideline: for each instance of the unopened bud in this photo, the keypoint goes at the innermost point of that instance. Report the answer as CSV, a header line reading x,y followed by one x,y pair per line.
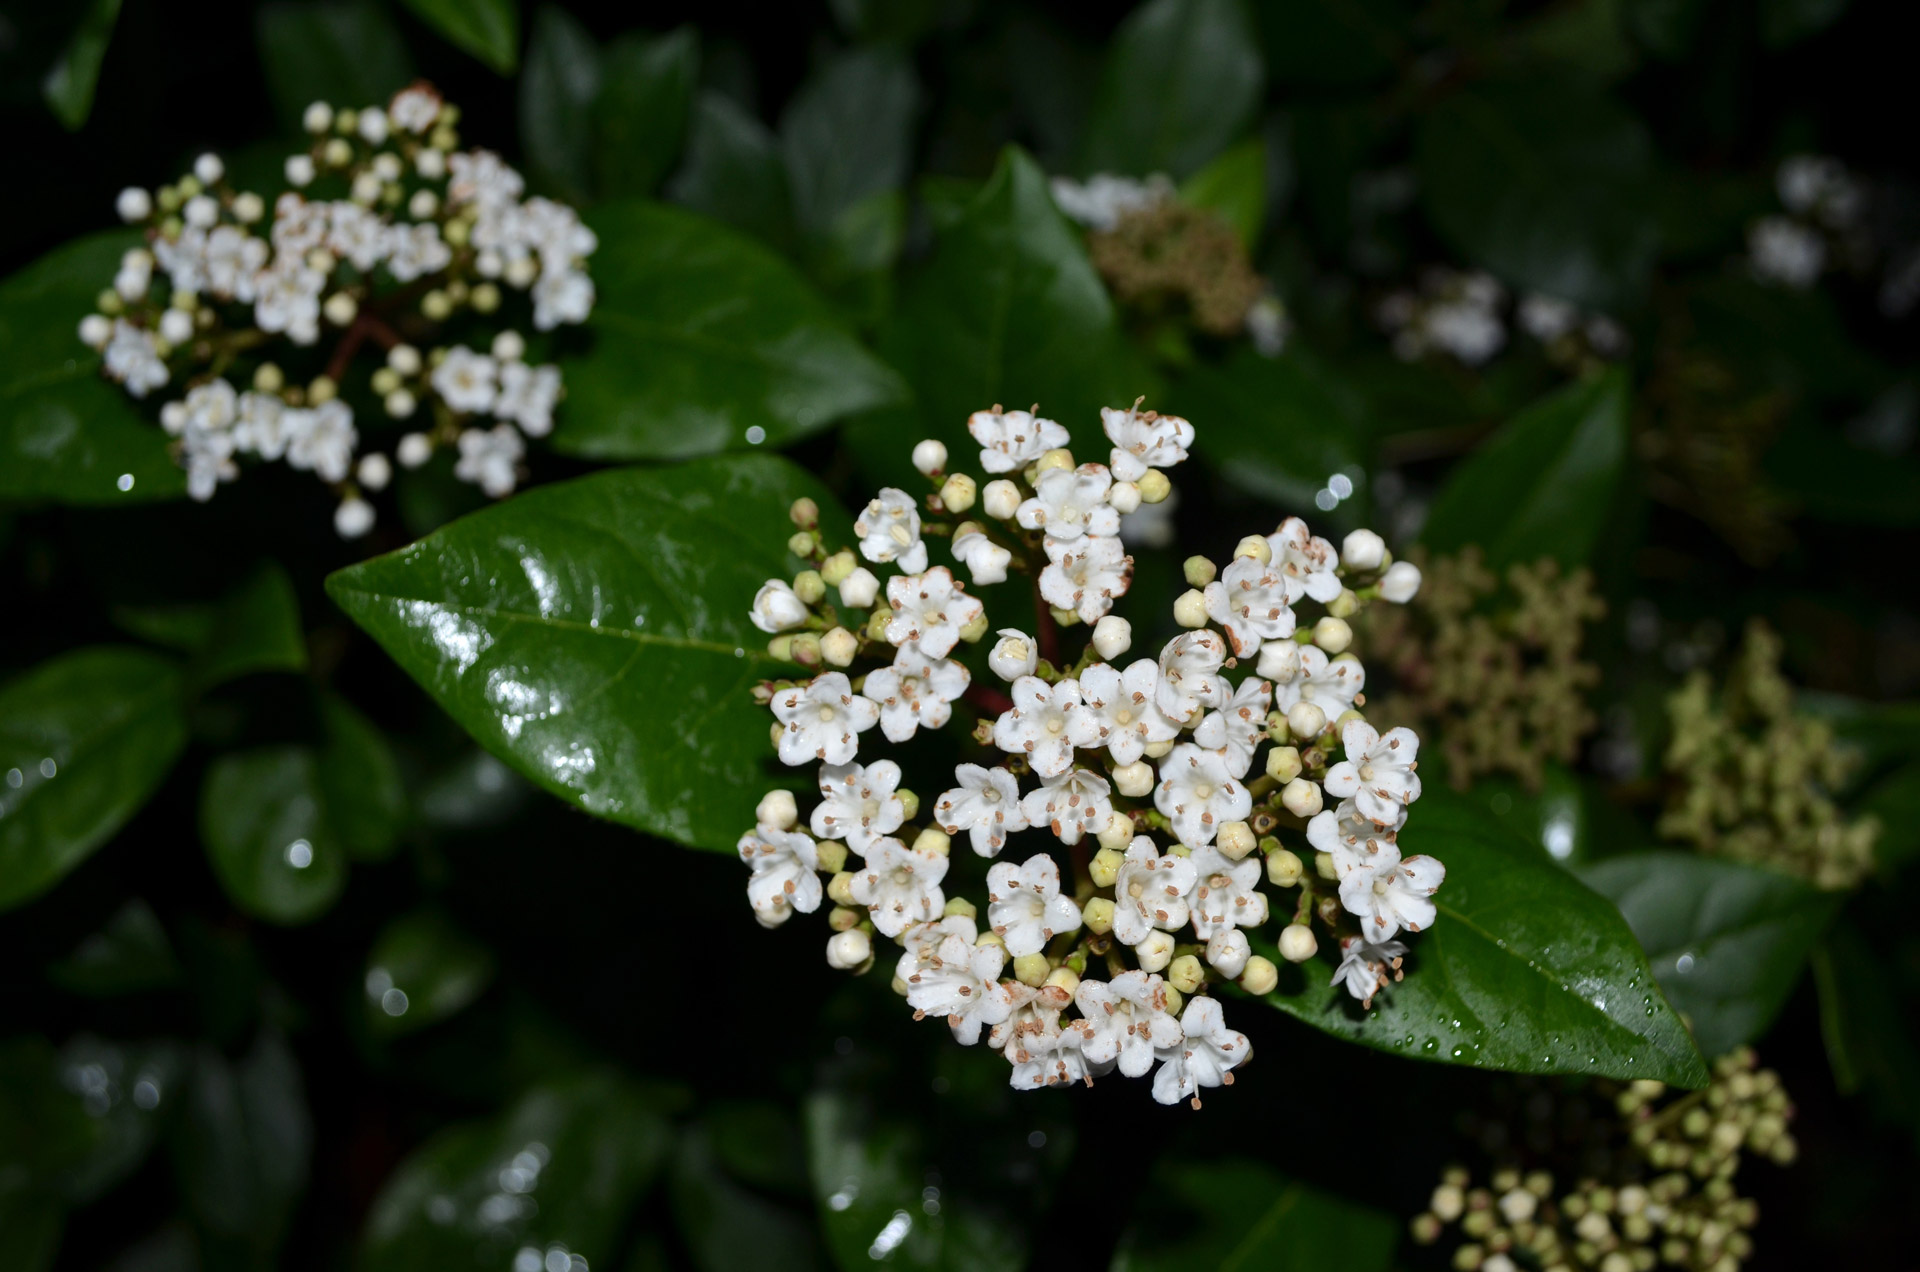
x,y
805,513
1401,582
1097,914
1362,550
1260,976
957,493
1134,780
909,803
1236,840
1014,655
849,950
1124,497
1228,952
1058,457
841,919
975,627
1285,869
1155,952
1345,605
1301,797
831,854
835,569
1297,943
801,543
1186,973
1333,634
961,907
777,809
1117,833
1105,866
1306,721
1112,636
1255,546
1283,763
1064,978
1154,486
809,587
1032,969
1190,609
840,888
1199,571
930,457
838,647
1000,500
932,841
858,589
806,650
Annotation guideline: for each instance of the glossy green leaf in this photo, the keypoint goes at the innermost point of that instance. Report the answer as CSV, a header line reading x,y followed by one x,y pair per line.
x,y
127,1091
1526,969
241,1140
734,172
360,781
184,629
421,970
1544,184
705,341
71,81
1543,484
562,1169
488,29
85,739
264,821
1865,1023
1275,427
558,87
847,135
255,628
1182,79
729,1226
1728,941
129,954
641,120
66,434
1234,187
475,790
594,635
347,53
1241,1215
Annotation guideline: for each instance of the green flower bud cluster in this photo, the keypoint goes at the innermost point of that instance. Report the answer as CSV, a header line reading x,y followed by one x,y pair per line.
x,y
1755,779
1490,668
1654,1179
1172,256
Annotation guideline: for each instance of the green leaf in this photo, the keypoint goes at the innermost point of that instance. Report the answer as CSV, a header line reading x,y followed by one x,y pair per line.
x,y
1545,185
255,628
1241,1215
264,821
1182,79
1865,1023
69,85
185,629
85,739
641,120
1785,22
1276,427
349,54
706,341
66,434
593,634
421,970
129,955
1334,43
127,1109
558,88
847,135
360,781
1727,941
488,29
1895,800
1234,187
1526,970
241,1140
584,1149
727,1226
734,172
1543,484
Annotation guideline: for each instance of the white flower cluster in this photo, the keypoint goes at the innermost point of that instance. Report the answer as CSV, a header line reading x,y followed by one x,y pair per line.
x,y
1825,220
1463,315
1138,786
387,234
1103,198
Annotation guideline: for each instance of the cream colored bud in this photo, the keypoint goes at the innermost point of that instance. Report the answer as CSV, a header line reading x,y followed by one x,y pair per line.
x,y
835,569
1000,500
974,628
839,647
1333,634
384,381
1112,636
1186,973
1058,457
399,404
1134,780
436,306
1154,486
405,359
932,841
1285,869
1199,571
1448,1202
322,389
1255,546
989,938
859,588
1157,750
268,378
1155,952
1097,914
1283,763
1345,605
909,803
1190,609
806,649
340,309
1260,976
1175,1000
778,810
1324,867
1362,550
1236,840
840,888
848,951
1306,721
1301,797
809,587
1117,833
1125,497
1032,969
841,919
930,457
337,153
831,854
1401,582
1105,866
962,907
957,493
1064,978
1297,943
1063,618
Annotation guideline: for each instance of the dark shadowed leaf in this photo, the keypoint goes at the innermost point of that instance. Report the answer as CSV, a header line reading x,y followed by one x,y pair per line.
x,y
640,122
734,173
255,628
488,29
1784,22
240,1141
129,954
848,134
558,88
1240,1215
348,54
264,821
360,781
75,74
1334,43
1275,427
421,970
1234,188
1182,78
728,1225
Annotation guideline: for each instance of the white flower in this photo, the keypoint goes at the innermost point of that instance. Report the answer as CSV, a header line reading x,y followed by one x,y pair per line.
x,y
479,176
1045,723
131,358
776,608
1204,1057
1307,561
490,458
823,720
1198,793
889,530
1239,727
465,380
1150,892
783,879
1352,841
929,610
1126,1021
414,109
259,425
414,251
207,456
921,941
1086,575
1120,703
899,886
287,299
1401,582
1014,655
1328,683
1144,439
565,297
527,396
1024,905
1546,318
1189,674
1279,661
1363,550
858,803
1251,601
1103,198
1394,894
322,439
1011,440
1364,968
986,560
1786,252
299,225
962,982
986,805
1378,773
233,263
1226,893
1228,952
356,235
1073,805
915,692
1069,503
1040,1050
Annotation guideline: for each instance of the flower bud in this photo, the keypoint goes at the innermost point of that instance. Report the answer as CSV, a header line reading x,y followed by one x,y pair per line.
x,y
840,888
1105,866
399,404
1199,571
1117,833
832,855
777,809
932,841
1186,974
1255,546
1125,497
841,919
1279,661
1000,500
1333,634
1013,655
809,587
1401,582
990,938
801,543
95,331
1324,867
1032,969
1260,976
1285,869
1064,978
176,326
353,518
1097,914
1058,457
1236,840
930,457
1345,605
962,907
1305,720
1154,486
1157,750
838,647
1283,763
909,803
1362,550
1134,780
805,513
835,569
1228,952
1301,797
957,493
134,204
776,608
859,588
1155,952
806,650
975,628
1112,636
849,950
1190,609
1297,943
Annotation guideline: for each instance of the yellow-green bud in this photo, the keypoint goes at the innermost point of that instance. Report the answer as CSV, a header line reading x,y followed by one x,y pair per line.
x,y
1199,571
976,627
835,569
1283,763
840,888
781,647
1190,609
801,543
1117,834
932,841
1255,546
805,513
1259,976
960,906
842,919
1105,867
1284,868
1344,605
909,802
1236,840
832,855
1098,916
1059,457
806,649
1323,865
1333,634
809,587
1032,969
1154,487
1186,974
958,492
